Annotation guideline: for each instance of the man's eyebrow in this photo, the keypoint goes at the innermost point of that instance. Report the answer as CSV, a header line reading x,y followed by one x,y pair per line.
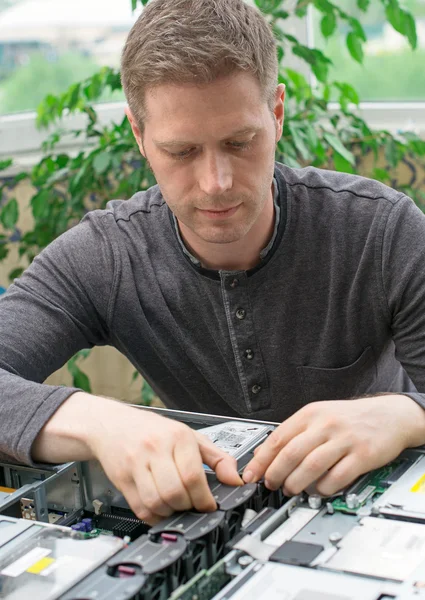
x,y
176,143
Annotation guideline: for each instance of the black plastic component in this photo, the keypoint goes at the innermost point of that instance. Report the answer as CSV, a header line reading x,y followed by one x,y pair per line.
x,y
229,497
192,525
99,585
296,553
396,474
121,526
153,555
141,570
259,519
251,527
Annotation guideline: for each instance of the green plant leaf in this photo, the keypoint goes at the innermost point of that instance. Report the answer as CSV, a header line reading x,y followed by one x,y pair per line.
x,y
391,152
147,394
298,139
4,164
358,29
410,30
80,380
280,53
394,15
9,214
280,14
278,33
15,273
101,162
381,175
4,252
328,24
301,7
73,96
312,138
133,5
324,6
297,78
342,164
348,93
320,155
355,48
268,6
363,4
40,205
321,71
339,147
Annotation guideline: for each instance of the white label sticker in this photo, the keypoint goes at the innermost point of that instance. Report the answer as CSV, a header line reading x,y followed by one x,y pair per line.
x,y
74,564
22,564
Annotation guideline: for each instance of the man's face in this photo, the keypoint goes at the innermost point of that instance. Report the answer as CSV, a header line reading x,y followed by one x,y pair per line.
x,y
211,148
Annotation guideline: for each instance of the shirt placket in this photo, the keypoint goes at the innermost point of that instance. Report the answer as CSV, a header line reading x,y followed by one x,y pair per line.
x,y
247,353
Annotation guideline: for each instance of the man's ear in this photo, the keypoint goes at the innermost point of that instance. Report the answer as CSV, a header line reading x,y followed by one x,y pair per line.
x,y
279,110
135,129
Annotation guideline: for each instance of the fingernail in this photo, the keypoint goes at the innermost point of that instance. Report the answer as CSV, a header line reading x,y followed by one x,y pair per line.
x,y
269,485
248,476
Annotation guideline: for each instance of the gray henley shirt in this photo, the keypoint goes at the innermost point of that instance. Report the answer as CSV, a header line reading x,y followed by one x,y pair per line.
x,y
334,310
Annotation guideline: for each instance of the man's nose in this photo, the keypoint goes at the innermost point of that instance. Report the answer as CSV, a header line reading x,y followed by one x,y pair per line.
x,y
215,174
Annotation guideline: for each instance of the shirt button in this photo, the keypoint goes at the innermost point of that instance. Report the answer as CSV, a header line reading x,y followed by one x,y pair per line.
x,y
241,314
234,283
249,354
256,388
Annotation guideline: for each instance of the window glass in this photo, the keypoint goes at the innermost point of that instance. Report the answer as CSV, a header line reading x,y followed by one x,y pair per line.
x,y
391,71
46,45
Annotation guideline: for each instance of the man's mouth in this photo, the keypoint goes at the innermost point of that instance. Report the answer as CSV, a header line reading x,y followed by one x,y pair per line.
x,y
221,213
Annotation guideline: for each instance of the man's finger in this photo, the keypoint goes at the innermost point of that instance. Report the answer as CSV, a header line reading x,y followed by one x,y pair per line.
x,y
341,475
150,496
291,456
289,435
224,465
189,465
315,464
133,497
168,483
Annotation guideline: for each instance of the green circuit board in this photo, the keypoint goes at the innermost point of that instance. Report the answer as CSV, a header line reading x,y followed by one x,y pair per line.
x,y
369,486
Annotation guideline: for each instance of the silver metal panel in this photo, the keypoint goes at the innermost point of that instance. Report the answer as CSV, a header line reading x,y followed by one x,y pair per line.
x,y
11,528
407,494
284,582
381,548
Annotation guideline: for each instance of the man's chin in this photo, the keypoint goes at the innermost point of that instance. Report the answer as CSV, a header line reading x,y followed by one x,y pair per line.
x,y
221,237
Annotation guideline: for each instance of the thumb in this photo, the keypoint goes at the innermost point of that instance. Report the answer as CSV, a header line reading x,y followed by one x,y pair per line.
x,y
224,465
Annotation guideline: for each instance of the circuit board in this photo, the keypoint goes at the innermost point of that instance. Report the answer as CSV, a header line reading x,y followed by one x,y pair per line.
x,y
370,486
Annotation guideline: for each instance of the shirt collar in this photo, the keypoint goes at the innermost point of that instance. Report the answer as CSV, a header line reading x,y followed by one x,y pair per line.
x,y
264,252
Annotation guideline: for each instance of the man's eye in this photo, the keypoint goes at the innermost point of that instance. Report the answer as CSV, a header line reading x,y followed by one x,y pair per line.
x,y
182,154
239,145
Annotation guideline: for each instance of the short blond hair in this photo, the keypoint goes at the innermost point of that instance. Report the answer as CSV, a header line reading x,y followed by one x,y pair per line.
x,y
196,41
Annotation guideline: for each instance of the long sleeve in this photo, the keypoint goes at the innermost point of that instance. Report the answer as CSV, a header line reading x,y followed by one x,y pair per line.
x,y
403,283
58,306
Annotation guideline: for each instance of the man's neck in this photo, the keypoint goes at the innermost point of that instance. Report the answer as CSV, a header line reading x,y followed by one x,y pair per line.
x,y
236,256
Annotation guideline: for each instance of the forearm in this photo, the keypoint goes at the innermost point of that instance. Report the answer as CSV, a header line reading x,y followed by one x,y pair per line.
x,y
413,409
416,435
66,436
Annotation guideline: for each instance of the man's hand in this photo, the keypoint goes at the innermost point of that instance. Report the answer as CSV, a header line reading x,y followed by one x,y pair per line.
x,y
157,463
332,443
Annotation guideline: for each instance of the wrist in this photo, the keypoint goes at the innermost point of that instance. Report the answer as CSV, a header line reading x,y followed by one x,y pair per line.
x,y
413,417
68,434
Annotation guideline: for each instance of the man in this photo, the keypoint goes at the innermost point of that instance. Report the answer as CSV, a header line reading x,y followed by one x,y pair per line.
x,y
237,286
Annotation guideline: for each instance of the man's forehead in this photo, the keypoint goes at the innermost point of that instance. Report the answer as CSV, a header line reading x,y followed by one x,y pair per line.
x,y
175,140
